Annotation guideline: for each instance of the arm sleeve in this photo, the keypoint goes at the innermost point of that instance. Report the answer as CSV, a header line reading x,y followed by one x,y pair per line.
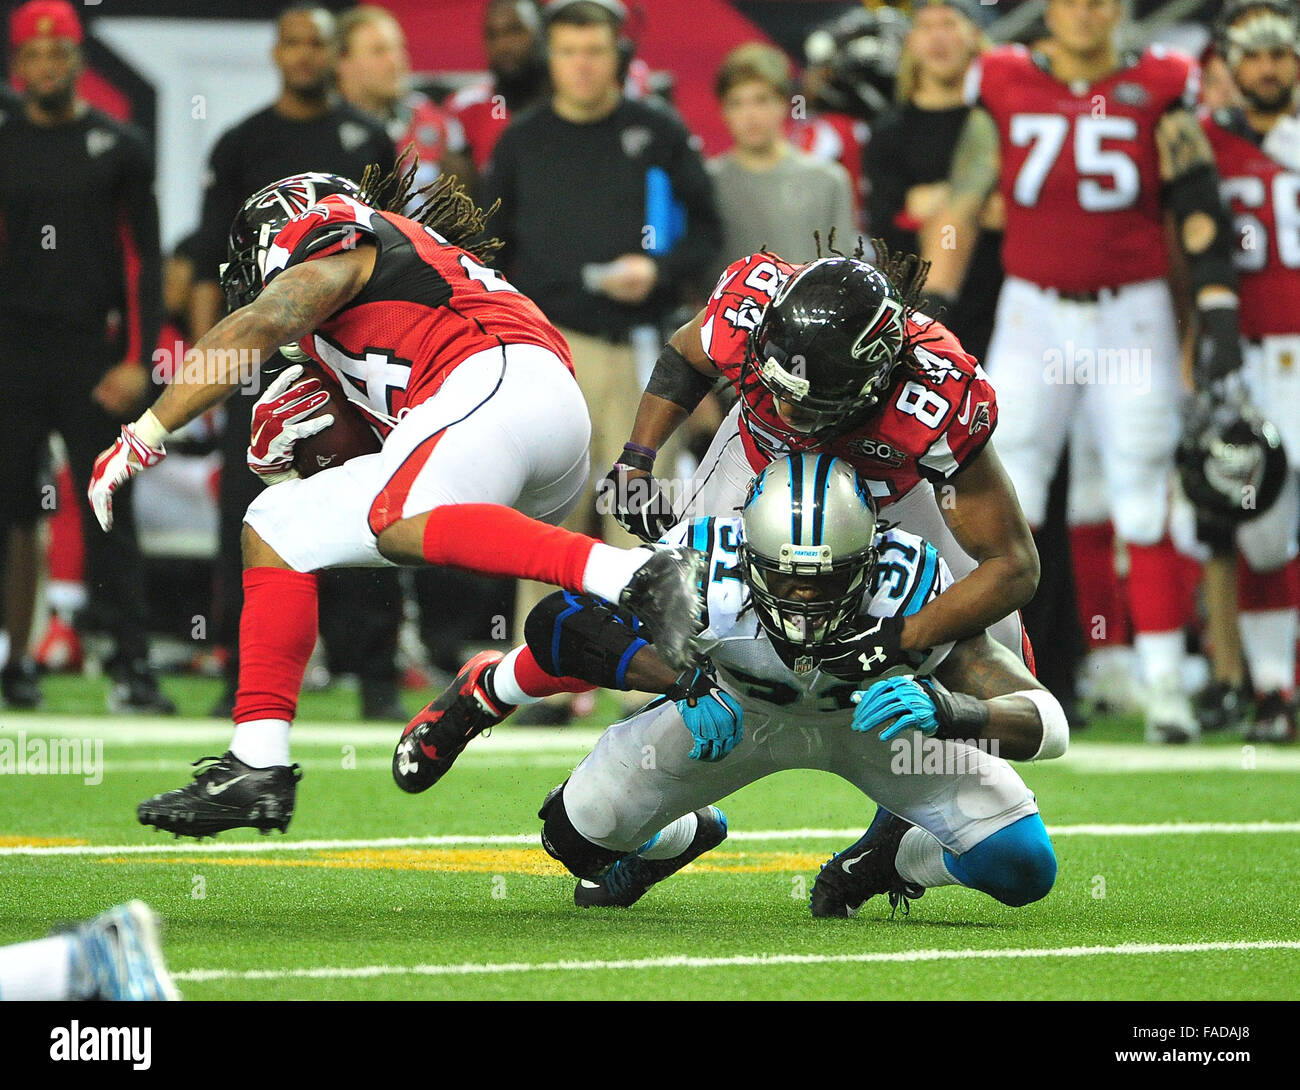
x,y
700,244
142,255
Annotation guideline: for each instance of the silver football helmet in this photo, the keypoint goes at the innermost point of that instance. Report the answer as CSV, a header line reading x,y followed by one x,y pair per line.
x,y
808,547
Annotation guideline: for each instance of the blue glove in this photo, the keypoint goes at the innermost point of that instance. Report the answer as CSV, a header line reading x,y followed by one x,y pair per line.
x,y
710,713
904,700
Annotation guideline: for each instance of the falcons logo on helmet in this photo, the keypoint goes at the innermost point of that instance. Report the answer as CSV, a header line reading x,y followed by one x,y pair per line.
x,y
293,195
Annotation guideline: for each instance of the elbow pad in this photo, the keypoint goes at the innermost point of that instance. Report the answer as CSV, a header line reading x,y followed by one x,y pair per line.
x,y
677,381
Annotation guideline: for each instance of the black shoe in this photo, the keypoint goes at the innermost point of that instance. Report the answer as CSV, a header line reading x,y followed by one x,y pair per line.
x,y
1275,719
1222,706
666,593
379,701
20,685
852,876
135,691
226,794
628,880
439,734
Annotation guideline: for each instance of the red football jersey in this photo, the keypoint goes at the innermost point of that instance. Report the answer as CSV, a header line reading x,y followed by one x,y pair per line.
x,y
483,116
934,419
1080,171
1265,200
427,306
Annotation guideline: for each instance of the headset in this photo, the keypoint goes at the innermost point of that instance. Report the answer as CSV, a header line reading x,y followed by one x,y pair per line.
x,y
618,12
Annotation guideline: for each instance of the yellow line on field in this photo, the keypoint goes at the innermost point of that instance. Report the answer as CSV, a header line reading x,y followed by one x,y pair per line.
x,y
41,842
475,860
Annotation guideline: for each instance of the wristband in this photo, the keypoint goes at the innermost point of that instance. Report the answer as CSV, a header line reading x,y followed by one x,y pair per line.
x,y
149,431
636,456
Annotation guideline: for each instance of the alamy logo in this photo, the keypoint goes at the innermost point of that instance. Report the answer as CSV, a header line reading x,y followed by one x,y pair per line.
x,y
114,1044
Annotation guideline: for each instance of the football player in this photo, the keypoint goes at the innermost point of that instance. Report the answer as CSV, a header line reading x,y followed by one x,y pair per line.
x,y
804,566
485,446
1257,150
833,356
1089,149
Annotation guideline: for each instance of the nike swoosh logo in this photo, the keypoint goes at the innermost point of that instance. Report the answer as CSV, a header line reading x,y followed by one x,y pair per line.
x,y
722,287
258,434
218,788
964,415
589,885
848,864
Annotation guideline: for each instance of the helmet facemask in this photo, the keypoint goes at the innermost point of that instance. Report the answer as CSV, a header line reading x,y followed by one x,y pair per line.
x,y
805,624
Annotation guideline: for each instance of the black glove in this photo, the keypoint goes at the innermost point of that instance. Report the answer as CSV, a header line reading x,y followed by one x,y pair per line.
x,y
859,655
637,502
1218,348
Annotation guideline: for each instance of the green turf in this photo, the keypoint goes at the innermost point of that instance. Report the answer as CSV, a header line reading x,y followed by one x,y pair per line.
x,y
259,912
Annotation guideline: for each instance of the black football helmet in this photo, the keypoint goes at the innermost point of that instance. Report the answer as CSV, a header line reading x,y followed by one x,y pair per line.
x,y
862,51
259,220
829,343
1230,459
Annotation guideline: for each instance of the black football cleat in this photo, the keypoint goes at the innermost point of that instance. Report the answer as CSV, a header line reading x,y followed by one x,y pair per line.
x,y
852,876
628,880
666,593
1222,706
1275,719
439,734
20,685
226,794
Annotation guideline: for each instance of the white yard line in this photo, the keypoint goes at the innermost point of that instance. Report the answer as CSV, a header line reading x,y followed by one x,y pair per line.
x,y
681,961
187,847
205,735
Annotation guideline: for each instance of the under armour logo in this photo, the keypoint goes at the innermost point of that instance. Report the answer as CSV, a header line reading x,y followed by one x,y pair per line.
x,y
868,661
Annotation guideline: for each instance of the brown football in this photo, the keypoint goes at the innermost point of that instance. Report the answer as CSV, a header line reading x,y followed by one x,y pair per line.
x,y
350,436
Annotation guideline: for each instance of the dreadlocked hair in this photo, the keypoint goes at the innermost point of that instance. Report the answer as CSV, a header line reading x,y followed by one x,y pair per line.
x,y
442,205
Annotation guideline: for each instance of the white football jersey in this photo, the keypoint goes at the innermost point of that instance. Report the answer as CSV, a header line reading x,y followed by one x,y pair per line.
x,y
909,572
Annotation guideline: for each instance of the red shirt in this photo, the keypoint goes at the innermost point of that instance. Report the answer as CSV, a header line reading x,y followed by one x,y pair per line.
x,y
482,115
1265,201
1080,171
427,306
935,417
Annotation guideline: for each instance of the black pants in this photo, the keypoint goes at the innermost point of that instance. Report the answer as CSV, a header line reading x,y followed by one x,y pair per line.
x,y
360,609
47,373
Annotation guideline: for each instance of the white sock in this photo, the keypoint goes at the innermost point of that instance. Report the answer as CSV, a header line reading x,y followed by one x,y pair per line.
x,y
920,860
261,743
609,569
39,971
671,840
504,683
1161,655
1268,637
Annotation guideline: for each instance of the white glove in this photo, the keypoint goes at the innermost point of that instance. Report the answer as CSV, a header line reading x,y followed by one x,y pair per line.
x,y
280,420
138,447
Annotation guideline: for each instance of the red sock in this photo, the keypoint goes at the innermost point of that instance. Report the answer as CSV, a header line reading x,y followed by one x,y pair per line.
x,y
537,682
495,540
1103,613
1155,587
277,632
1259,591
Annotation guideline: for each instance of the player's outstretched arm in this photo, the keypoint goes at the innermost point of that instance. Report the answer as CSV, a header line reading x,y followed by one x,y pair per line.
x,y
948,237
1191,193
289,308
985,517
297,301
981,694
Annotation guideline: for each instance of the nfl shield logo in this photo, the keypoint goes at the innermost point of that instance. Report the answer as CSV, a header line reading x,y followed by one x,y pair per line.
x,y
803,665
